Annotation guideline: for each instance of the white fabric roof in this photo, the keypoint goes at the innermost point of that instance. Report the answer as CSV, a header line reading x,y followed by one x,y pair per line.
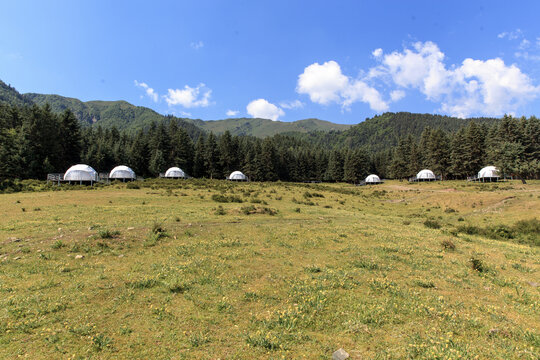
x,y
425,174
237,175
122,172
175,172
488,172
373,179
81,172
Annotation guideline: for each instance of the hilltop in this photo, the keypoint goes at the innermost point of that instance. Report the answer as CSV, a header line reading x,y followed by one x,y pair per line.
x,y
378,133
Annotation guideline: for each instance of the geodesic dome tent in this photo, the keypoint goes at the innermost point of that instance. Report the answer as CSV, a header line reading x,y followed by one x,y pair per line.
x,y
237,176
175,173
489,173
426,175
80,173
373,179
122,172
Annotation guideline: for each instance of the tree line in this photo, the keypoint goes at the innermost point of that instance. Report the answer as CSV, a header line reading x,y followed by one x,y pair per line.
x,y
35,141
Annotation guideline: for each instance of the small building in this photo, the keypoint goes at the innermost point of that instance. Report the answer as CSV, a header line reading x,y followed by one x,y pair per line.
x,y
488,174
425,175
175,173
373,180
237,176
81,173
123,173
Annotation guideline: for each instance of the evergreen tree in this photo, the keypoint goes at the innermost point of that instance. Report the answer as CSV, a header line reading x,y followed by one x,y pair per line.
x,y
70,135
212,159
199,168
157,163
182,150
335,167
138,159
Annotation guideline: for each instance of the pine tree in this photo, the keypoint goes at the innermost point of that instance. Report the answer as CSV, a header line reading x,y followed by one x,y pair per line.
x,y
157,162
182,150
70,133
212,158
138,153
335,167
199,168
459,155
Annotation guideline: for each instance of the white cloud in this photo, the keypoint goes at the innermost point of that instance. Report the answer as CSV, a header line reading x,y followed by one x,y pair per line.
x,y
296,104
511,35
232,112
323,83
326,84
397,95
189,97
377,52
197,45
261,108
524,44
149,91
487,87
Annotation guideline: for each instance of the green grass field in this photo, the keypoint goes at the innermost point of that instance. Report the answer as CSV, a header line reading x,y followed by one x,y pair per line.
x,y
218,270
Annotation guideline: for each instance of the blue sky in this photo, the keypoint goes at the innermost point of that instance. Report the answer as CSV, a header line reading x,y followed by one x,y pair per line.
x,y
340,61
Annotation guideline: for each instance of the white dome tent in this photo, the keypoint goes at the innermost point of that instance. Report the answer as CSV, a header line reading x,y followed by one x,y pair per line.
x,y
237,176
373,179
123,173
81,173
489,173
424,175
175,173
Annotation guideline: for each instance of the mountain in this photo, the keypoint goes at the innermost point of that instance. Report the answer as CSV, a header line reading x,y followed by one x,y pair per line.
x,y
11,96
377,133
383,131
264,127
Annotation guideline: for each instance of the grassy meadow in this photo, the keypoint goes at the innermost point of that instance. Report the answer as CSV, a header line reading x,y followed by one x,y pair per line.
x,y
217,270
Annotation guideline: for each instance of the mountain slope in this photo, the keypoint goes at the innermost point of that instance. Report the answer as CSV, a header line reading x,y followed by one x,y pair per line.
x,y
126,116
383,131
11,96
264,127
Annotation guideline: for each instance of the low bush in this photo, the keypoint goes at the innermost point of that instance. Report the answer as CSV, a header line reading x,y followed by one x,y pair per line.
x,y
432,224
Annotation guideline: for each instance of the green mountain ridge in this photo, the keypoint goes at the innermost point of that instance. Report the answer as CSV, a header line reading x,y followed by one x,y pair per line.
x,y
264,127
377,133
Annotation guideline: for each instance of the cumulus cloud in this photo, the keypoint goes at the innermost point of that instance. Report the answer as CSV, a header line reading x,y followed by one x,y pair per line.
x,y
296,104
377,52
197,45
397,95
261,108
148,90
326,84
487,87
189,97
232,112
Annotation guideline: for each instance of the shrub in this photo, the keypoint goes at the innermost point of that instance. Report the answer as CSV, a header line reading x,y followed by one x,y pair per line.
x,y
531,226
108,234
220,211
447,244
478,265
248,210
226,199
432,224
132,185
424,284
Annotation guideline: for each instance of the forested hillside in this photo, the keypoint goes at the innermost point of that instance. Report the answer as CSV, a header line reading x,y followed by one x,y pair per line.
x,y
384,131
125,116
35,141
264,127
